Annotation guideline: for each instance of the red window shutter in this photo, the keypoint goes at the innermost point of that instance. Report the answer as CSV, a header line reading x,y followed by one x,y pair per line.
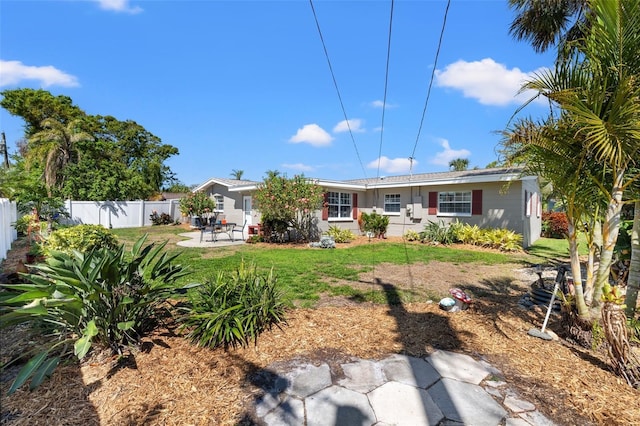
x,y
325,207
476,202
433,203
355,205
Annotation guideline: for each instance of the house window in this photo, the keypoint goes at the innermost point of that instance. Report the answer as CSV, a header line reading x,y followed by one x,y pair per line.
x,y
454,203
219,200
392,203
339,204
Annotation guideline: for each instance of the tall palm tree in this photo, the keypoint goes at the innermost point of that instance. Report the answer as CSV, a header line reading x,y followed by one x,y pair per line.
x,y
536,146
459,164
548,23
54,147
237,174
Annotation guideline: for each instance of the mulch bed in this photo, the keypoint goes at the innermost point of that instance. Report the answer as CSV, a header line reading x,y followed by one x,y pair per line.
x,y
169,381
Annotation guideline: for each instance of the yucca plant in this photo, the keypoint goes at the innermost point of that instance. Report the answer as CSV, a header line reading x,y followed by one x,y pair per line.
x,y
233,308
104,296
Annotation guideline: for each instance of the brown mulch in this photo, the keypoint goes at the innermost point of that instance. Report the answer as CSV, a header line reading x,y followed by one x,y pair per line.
x,y
169,381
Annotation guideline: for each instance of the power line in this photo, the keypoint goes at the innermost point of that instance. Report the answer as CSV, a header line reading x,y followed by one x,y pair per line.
x,y
335,84
435,64
386,84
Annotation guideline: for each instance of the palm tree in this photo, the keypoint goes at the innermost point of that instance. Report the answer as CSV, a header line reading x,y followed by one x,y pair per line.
x,y
237,174
536,147
599,90
459,164
549,23
54,148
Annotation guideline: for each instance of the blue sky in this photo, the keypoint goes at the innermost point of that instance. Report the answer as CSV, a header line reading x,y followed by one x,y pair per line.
x,y
245,85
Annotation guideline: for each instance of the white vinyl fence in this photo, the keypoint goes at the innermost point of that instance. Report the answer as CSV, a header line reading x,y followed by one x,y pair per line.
x,y
119,214
8,234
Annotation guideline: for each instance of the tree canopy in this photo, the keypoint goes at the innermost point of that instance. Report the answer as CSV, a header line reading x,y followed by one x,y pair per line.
x,y
87,157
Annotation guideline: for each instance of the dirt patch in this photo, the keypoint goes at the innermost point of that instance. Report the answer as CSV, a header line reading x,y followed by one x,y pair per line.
x,y
169,381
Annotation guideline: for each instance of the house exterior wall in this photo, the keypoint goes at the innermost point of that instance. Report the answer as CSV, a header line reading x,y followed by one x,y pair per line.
x,y
232,205
501,207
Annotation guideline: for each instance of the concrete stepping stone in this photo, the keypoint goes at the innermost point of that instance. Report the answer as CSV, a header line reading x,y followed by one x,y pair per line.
x,y
336,405
401,404
289,412
308,379
409,370
458,366
466,403
362,376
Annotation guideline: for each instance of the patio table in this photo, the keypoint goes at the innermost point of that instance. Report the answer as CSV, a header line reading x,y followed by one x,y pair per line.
x,y
216,229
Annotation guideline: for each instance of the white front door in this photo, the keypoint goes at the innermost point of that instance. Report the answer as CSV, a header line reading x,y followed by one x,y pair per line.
x,y
246,209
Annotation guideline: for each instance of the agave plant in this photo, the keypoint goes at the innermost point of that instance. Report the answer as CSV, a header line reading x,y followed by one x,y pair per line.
x,y
104,296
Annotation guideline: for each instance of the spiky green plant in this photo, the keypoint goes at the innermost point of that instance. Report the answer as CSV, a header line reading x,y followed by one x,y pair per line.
x,y
233,308
104,296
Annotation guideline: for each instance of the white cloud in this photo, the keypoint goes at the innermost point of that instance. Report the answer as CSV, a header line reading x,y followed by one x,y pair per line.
x,y
444,157
487,81
392,165
14,72
313,135
379,104
119,6
299,166
355,125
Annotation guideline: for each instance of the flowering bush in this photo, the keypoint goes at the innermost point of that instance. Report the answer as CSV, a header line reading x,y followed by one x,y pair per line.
x,y
196,204
290,201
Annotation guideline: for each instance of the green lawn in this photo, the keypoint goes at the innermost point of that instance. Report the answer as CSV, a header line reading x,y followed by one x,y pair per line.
x,y
305,274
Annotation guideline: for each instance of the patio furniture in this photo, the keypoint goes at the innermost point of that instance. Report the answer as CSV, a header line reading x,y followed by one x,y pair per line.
x,y
217,228
239,229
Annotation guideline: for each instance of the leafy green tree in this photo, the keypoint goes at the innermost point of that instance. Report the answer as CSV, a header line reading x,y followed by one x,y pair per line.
x,y
459,164
291,201
34,106
88,157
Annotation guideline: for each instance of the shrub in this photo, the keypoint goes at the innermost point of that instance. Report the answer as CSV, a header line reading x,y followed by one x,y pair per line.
x,y
438,232
411,235
82,238
233,308
375,223
160,219
497,238
340,235
102,296
195,204
554,225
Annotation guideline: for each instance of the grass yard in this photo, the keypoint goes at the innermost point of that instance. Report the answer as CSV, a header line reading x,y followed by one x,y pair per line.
x,y
306,274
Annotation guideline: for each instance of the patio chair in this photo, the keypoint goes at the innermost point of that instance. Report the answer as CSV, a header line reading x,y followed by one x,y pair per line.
x,y
239,229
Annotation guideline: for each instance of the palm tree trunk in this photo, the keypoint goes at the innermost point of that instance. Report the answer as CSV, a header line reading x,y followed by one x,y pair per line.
x,y
610,231
576,271
594,239
633,283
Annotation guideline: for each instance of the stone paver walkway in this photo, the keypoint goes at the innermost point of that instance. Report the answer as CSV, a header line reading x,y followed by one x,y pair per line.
x,y
446,388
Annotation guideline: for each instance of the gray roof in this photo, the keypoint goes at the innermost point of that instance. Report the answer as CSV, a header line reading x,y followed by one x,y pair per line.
x,y
476,175
437,176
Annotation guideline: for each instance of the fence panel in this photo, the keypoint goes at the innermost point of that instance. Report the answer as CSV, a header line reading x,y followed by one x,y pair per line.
x,y
119,214
8,234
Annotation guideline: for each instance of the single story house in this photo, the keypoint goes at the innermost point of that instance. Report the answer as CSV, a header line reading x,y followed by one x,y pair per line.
x,y
489,198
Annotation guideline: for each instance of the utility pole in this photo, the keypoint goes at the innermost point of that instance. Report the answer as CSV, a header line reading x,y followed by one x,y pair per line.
x,y
3,147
